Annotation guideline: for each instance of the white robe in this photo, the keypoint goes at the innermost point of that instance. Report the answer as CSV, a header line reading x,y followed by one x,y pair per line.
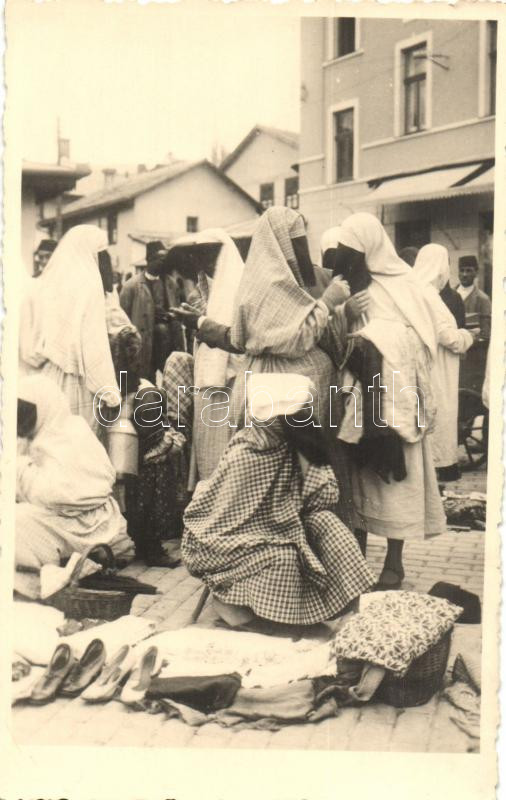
x,y
433,270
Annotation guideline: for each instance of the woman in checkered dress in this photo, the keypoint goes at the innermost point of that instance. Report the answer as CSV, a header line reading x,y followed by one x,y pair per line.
x,y
263,533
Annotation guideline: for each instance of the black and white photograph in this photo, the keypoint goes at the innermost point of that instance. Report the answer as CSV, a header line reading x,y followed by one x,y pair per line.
x,y
250,303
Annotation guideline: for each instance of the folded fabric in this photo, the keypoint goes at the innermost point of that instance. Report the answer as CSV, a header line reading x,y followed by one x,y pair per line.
x,y
394,629
287,703
35,634
53,577
370,679
469,602
467,705
204,694
22,689
311,663
117,583
468,669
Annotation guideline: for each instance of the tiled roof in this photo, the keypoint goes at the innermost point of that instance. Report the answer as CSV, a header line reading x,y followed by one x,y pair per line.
x,y
129,188
287,137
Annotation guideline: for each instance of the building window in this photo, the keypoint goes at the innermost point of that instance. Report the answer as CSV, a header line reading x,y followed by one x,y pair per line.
x,y
192,224
343,135
292,192
492,62
344,36
415,85
112,228
412,233
267,195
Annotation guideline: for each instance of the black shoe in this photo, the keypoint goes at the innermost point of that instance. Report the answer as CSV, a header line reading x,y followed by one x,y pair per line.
x,y
159,558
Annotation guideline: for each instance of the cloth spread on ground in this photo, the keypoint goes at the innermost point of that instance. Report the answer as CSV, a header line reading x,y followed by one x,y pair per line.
x,y
466,510
128,629
261,660
262,536
203,693
264,709
394,629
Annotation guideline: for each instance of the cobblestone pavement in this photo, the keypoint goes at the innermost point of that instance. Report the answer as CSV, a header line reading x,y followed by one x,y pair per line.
x,y
454,557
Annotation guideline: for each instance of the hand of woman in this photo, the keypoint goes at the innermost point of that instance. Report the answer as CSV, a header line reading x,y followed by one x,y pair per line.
x,y
357,305
336,292
188,315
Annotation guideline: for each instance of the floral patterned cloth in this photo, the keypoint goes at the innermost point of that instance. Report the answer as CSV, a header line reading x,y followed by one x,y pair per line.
x,y
394,629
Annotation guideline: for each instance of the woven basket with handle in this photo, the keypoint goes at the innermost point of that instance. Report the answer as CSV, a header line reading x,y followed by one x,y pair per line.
x,y
422,680
79,603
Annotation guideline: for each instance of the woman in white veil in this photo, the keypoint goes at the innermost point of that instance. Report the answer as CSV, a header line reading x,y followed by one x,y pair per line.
x,y
63,330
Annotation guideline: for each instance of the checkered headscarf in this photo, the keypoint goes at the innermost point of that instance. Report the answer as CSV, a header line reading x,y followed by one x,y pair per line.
x,y
271,303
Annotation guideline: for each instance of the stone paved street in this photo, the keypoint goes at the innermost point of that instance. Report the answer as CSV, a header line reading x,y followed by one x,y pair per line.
x,y
456,557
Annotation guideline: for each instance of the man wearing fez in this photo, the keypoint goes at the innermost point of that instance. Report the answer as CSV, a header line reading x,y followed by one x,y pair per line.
x,y
42,255
144,298
477,304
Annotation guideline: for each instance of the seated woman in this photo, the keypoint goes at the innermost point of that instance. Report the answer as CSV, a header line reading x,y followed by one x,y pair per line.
x,y
64,484
262,533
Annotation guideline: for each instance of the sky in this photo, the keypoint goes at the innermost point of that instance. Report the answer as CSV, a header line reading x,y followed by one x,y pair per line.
x,y
131,83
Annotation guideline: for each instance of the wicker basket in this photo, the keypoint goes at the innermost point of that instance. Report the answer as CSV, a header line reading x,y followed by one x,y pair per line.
x,y
79,603
422,680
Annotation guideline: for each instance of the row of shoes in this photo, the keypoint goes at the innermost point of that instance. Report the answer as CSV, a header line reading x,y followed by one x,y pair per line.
x,y
94,678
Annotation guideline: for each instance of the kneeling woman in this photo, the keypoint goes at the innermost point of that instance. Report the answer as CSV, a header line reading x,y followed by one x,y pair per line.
x,y
262,533
64,484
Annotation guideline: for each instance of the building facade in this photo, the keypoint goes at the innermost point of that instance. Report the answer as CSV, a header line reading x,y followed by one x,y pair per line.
x,y
42,185
264,164
163,203
398,118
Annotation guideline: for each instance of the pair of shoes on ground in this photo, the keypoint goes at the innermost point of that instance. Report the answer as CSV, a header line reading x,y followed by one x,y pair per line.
x,y
66,675
125,665
93,678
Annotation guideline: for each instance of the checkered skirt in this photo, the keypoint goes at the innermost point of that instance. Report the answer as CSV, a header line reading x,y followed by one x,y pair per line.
x,y
261,536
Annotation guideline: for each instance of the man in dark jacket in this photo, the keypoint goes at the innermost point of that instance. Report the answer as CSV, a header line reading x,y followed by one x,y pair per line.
x,y
477,304
144,298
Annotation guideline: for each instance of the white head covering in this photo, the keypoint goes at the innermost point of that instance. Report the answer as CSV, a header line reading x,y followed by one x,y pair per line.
x,y
272,394
330,238
365,233
271,302
432,266
74,467
63,316
212,365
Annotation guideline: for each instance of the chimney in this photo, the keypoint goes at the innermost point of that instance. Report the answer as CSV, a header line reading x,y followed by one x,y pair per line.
x,y
141,168
63,151
109,174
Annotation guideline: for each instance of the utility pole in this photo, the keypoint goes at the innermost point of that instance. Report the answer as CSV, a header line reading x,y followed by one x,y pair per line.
x,y
59,222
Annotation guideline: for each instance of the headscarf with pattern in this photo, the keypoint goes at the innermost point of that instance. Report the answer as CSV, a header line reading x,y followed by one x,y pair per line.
x,y
271,303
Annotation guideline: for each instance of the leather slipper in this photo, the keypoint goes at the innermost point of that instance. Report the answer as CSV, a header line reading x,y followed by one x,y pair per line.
x,y
85,671
46,688
105,686
138,683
